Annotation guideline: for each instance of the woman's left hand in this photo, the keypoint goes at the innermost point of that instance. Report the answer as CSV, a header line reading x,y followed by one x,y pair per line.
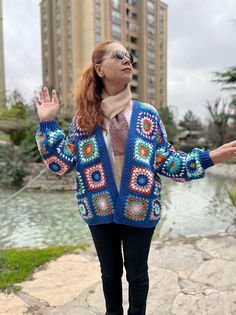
x,y
223,153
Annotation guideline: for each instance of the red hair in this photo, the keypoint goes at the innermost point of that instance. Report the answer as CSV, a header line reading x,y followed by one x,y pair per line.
x,y
88,92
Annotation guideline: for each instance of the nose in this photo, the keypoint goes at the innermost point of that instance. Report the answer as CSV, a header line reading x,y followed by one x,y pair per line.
x,y
126,60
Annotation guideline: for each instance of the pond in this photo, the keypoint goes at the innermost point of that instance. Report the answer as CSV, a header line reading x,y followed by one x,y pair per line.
x,y
37,218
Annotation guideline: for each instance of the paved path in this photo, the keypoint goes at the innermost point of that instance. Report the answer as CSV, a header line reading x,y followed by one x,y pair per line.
x,y
194,276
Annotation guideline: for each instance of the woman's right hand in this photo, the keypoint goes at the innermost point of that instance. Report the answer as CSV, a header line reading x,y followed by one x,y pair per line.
x,y
47,107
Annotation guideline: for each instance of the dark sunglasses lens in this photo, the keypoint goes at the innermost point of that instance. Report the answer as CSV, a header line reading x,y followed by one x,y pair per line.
x,y
131,58
119,54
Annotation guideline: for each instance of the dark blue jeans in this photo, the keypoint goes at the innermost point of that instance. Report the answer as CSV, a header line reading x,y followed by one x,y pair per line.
x,y
108,240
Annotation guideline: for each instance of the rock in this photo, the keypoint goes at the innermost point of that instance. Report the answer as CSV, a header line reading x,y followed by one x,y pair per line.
x,y
12,305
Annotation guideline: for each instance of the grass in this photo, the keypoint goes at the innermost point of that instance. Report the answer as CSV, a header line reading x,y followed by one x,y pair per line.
x,y
17,265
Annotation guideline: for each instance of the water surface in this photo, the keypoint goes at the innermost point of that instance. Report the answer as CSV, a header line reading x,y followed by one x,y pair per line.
x,y
39,218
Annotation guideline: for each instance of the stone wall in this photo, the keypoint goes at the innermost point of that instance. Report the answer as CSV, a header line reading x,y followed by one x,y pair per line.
x,y
48,180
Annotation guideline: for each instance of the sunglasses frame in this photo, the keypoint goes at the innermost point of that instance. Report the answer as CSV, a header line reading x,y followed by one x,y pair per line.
x,y
120,55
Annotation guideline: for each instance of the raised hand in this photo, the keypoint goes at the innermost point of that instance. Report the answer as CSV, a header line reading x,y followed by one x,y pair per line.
x,y
47,107
224,152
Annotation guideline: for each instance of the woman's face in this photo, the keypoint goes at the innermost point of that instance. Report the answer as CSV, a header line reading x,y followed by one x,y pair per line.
x,y
113,70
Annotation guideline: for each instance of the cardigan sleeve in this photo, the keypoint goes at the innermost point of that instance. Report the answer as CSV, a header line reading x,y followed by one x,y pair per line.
x,y
57,151
178,165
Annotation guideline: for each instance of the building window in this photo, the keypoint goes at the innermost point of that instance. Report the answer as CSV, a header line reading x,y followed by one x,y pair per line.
x,y
116,4
116,17
132,2
131,14
98,37
134,89
150,6
97,7
98,23
150,31
132,27
132,39
116,31
151,90
151,79
151,19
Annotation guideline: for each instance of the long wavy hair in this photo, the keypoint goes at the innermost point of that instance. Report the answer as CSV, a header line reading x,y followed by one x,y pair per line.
x,y
88,93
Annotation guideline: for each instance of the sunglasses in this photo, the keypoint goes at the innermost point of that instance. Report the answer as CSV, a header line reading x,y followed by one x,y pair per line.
x,y
120,55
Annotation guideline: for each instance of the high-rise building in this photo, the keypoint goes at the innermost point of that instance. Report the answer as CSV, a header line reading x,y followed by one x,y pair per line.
x,y
2,68
71,29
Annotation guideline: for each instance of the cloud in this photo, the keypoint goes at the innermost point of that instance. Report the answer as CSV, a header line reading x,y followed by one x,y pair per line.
x,y
22,46
201,40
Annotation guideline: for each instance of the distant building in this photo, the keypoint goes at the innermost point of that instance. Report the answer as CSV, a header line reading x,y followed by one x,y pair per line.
x,y
71,29
2,68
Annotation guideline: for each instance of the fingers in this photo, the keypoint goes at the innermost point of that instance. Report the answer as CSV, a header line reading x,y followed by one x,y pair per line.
x,y
36,103
44,97
41,97
46,94
54,96
228,145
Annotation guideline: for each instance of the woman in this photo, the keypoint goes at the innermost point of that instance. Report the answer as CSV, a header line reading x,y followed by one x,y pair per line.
x,y
118,147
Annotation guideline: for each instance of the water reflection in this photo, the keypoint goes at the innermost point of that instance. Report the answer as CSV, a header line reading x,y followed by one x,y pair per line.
x,y
37,218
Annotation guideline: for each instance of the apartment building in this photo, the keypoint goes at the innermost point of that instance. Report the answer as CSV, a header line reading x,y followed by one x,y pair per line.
x,y
71,29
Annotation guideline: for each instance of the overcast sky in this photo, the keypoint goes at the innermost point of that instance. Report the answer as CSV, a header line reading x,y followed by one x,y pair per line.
x,y
201,40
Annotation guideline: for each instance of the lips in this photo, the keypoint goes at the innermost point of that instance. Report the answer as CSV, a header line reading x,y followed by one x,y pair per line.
x,y
125,69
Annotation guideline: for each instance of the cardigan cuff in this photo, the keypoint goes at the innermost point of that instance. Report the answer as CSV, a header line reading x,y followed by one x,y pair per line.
x,y
205,159
51,125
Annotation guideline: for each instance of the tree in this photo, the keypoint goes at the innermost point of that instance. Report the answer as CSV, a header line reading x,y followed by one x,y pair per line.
x,y
221,112
191,122
167,119
227,78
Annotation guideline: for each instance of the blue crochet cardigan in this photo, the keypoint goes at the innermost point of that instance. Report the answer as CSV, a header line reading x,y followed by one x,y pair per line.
x,y
147,155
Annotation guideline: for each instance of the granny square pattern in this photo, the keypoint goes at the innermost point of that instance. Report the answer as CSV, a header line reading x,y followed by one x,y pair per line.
x,y
137,200
193,165
84,209
56,165
102,203
95,176
156,210
141,180
142,151
147,125
136,208
88,150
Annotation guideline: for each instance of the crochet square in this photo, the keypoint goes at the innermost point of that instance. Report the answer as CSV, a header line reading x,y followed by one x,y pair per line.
x,y
95,176
66,151
88,150
56,165
54,136
142,151
136,208
141,180
84,209
80,185
193,166
156,210
102,203
78,129
174,166
147,125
